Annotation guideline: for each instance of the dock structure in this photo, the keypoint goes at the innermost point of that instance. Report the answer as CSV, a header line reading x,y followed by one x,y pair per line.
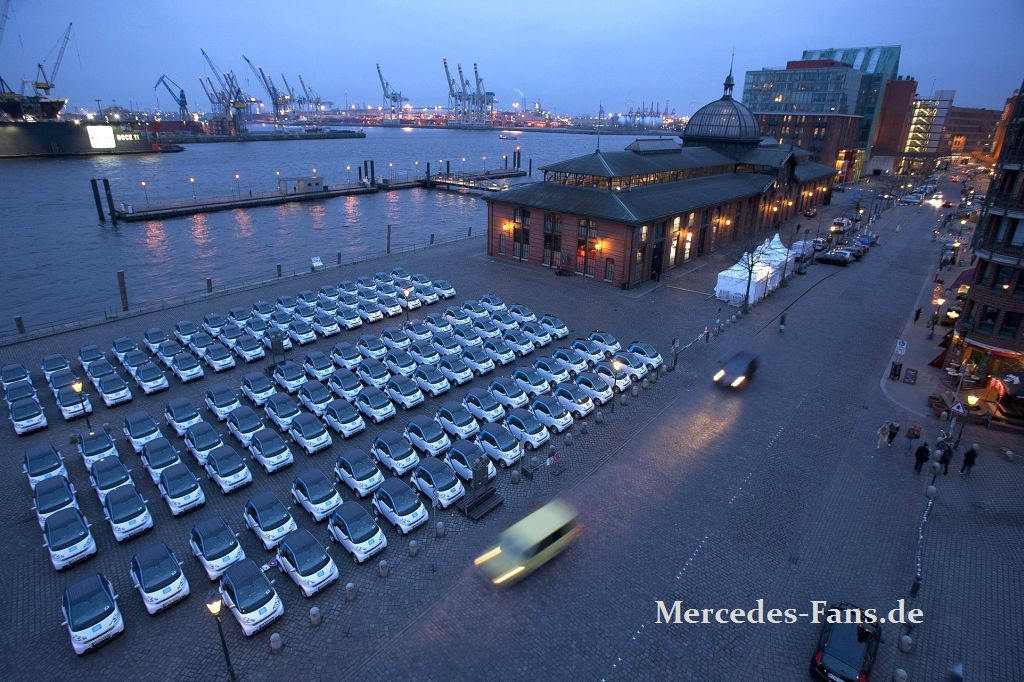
x,y
456,182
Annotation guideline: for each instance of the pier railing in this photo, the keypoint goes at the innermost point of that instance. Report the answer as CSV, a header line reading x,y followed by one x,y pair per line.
x,y
27,331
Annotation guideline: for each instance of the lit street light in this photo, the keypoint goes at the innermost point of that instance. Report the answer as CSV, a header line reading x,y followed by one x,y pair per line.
x,y
146,190
214,606
192,181
238,187
406,291
76,386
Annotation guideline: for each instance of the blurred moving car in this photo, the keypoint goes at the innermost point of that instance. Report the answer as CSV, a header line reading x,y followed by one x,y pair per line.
x,y
530,543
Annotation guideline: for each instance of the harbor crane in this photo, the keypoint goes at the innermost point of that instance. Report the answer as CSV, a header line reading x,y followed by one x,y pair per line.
x,y
178,98
276,100
229,98
44,82
484,100
392,100
292,100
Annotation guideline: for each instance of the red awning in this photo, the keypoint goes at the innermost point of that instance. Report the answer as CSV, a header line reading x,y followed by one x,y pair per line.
x,y
965,277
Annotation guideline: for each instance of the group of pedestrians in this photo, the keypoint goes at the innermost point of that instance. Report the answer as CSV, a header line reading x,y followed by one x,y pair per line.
x,y
890,429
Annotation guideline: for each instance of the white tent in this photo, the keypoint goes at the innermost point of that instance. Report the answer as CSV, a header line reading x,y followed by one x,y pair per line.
x,y
732,283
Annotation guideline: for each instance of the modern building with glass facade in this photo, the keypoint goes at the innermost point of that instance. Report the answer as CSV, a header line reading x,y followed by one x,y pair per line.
x,y
924,134
625,217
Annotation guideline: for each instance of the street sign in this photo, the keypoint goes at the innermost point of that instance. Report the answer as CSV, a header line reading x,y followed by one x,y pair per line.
x,y
901,347
958,407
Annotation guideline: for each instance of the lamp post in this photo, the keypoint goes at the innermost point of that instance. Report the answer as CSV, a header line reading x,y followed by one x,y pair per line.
x,y
76,386
939,301
238,186
348,169
214,605
192,181
972,400
145,188
405,292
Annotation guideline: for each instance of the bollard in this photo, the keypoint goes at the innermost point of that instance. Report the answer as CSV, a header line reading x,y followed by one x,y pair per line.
x,y
276,643
635,391
469,232
645,384
19,324
533,462
899,675
315,617
583,428
414,548
431,237
339,258
382,568
624,400
654,375
350,591
551,451
568,440
122,287
944,416
930,492
514,477
439,529
734,319
278,269
209,285
906,644
599,417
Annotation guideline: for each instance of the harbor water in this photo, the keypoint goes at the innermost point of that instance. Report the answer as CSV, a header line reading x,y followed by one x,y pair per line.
x,y
60,264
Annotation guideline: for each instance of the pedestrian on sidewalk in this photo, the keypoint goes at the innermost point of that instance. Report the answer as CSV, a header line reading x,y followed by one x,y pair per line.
x,y
707,334
913,433
917,315
718,322
782,323
969,457
946,458
894,429
921,456
883,434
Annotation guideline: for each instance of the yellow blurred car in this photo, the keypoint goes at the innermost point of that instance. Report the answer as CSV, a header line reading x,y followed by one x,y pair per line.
x,y
530,543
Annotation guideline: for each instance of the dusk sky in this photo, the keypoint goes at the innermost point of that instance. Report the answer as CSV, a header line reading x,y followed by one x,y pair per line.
x,y
569,55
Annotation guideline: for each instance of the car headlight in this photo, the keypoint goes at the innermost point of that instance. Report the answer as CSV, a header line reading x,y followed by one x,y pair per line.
x,y
718,375
737,381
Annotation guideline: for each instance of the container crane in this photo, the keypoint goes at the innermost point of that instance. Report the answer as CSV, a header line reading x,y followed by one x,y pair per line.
x,y
392,100
268,84
178,98
292,100
44,82
229,97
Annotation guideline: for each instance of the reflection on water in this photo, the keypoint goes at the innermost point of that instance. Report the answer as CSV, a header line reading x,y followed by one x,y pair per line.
x,y
49,233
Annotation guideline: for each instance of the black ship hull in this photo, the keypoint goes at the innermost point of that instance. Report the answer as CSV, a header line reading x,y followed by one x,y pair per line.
x,y
19,139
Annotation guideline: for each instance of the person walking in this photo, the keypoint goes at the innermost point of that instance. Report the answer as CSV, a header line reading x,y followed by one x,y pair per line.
x,y
917,315
883,434
782,323
913,433
707,334
894,429
946,458
969,457
921,456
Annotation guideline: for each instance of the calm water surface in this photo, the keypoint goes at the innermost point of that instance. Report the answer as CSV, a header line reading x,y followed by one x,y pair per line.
x,y
59,263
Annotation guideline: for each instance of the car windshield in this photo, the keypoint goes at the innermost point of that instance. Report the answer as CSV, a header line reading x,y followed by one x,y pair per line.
x,y
161,455
504,439
377,400
252,592
285,407
259,383
442,284
362,468
405,501
158,571
89,607
204,439
13,373
229,464
96,443
64,530
219,542
249,421
149,372
142,426
124,507
309,555
272,515
25,409
361,528
181,482
183,411
399,448
217,352
319,489
485,400
444,479
310,428
50,498
22,389
348,381
223,397
844,644
431,431
272,445
52,363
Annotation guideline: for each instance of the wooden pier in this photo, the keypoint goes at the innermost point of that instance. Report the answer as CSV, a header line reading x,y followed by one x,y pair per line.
x,y
456,182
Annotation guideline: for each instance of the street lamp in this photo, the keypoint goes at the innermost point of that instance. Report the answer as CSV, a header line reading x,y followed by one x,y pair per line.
x,y
348,169
192,181
238,187
939,301
145,188
76,386
213,605
405,292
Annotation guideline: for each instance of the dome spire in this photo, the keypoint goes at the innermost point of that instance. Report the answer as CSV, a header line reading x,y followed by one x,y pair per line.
x,y
729,82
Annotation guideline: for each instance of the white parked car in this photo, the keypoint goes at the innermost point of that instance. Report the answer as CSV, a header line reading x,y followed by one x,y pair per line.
x,y
186,367
114,391
631,363
443,288
219,358
478,360
574,399
315,493
614,374
373,373
52,495
346,355
456,420
595,387
221,400
107,474
396,502
268,519
201,439
399,362
156,573
289,376
394,452
151,339
126,512
438,482
314,396
243,423
356,531
536,333
67,537
589,351
520,313
269,449
455,370
94,446
42,462
405,392
423,353
306,562
431,381
215,544
553,326
318,365
417,331
371,347
463,457
309,433
499,444
325,324
90,613
530,380
71,404
257,388
605,341
355,469
570,360
437,324
227,469
249,348
551,370
518,342
140,428
527,429
482,404
180,489
493,303
180,413
550,412
150,379
426,435
375,405
250,597
343,418
394,338
281,409
301,332
157,455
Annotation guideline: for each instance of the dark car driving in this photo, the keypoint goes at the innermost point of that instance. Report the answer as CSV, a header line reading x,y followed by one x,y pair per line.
x,y
846,649
737,370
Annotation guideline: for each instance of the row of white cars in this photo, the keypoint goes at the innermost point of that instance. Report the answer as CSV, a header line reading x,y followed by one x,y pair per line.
x,y
246,333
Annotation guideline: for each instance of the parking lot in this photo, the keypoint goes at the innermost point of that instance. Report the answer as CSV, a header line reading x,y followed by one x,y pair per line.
x,y
687,492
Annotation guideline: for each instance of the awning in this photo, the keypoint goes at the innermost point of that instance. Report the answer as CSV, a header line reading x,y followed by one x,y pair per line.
x,y
965,277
